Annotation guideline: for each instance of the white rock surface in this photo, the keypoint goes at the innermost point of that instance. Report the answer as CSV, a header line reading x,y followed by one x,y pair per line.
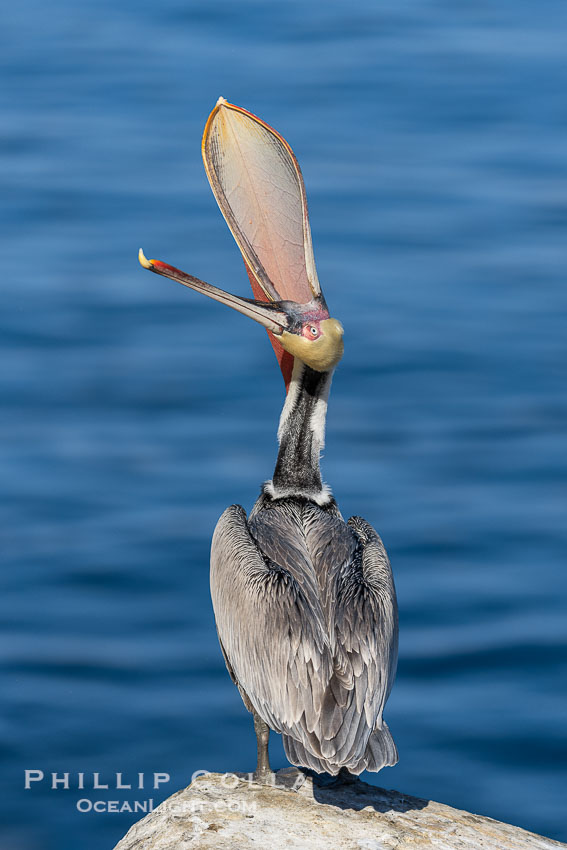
x,y
229,812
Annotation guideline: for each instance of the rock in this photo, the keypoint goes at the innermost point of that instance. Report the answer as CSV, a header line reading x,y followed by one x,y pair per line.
x,y
231,812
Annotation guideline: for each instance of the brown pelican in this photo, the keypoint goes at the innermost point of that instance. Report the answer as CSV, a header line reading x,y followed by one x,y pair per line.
x,y
304,603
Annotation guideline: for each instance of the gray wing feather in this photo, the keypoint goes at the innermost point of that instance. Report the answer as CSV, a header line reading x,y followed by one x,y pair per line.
x,y
270,623
307,617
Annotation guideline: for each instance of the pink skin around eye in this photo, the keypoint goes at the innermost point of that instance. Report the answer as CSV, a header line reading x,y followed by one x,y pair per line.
x,y
311,330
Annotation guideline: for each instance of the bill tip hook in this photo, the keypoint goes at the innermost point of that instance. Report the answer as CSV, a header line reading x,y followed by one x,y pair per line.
x,y
147,264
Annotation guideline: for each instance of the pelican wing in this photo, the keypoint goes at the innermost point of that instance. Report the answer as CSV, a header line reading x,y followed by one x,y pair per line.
x,y
257,182
306,614
366,628
359,600
270,624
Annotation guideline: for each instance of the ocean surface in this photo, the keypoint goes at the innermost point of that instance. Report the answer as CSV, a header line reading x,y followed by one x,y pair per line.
x,y
433,141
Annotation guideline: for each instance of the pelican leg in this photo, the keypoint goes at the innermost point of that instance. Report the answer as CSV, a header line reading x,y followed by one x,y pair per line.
x,y
263,770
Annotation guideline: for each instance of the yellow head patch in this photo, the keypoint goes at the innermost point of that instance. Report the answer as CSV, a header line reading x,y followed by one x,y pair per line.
x,y
321,354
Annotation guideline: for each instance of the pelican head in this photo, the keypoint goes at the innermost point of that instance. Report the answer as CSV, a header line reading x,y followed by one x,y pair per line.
x,y
259,188
305,331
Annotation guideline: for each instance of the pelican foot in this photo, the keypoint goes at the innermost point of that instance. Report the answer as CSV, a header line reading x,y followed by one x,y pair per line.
x,y
264,777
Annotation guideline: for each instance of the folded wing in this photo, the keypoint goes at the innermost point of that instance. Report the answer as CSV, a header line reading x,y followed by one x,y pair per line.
x,y
306,614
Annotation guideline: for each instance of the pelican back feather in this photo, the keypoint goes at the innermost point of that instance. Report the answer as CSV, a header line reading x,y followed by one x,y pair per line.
x,y
307,617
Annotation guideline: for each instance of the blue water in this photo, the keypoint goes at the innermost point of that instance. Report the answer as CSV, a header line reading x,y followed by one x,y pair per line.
x,y
432,137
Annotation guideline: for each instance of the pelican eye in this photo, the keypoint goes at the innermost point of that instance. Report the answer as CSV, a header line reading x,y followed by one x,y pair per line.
x,y
309,331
